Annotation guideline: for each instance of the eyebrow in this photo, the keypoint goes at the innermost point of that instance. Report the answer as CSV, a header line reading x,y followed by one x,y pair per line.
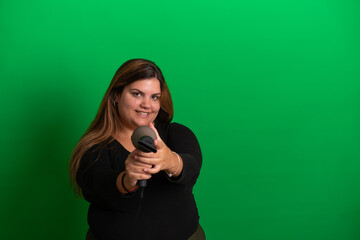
x,y
135,89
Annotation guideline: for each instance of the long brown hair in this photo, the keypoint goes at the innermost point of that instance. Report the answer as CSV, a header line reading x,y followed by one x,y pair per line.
x,y
107,122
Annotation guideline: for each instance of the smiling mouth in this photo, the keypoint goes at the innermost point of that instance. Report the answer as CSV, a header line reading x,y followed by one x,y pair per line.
x,y
143,114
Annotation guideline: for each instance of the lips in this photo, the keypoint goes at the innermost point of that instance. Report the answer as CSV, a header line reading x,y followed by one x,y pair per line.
x,y
142,114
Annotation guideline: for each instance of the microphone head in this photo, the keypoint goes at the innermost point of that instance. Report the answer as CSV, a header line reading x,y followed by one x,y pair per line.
x,y
143,139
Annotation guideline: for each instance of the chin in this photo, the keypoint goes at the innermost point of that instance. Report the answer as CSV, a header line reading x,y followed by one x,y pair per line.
x,y
142,123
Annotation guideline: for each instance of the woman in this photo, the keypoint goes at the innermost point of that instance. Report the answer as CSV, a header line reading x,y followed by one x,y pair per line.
x,y
105,166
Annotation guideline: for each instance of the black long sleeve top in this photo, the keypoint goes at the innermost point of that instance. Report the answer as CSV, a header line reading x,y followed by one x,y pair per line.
x,y
168,209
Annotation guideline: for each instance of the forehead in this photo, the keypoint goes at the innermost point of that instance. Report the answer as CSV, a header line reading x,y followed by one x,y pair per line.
x,y
146,85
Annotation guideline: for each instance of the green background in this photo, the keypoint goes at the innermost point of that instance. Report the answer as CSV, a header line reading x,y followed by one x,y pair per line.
x,y
270,88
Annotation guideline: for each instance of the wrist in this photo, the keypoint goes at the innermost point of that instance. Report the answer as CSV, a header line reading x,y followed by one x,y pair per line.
x,y
176,168
126,184
123,183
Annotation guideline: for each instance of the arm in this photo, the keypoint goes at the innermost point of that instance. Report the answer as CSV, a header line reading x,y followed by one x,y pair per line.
x,y
96,177
100,176
183,142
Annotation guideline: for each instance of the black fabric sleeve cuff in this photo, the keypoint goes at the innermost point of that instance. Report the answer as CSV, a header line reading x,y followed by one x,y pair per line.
x,y
190,170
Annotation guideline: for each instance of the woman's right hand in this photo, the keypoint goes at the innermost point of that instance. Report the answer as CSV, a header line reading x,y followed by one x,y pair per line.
x,y
135,170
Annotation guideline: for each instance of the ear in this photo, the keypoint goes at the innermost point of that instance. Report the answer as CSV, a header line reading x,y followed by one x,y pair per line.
x,y
114,97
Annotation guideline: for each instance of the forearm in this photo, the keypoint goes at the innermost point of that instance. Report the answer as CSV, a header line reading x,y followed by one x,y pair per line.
x,y
176,165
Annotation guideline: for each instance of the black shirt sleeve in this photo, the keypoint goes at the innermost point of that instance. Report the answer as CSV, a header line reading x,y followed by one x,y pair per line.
x,y
96,175
182,140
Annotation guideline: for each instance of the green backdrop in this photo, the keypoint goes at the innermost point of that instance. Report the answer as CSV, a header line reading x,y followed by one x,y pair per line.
x,y
270,88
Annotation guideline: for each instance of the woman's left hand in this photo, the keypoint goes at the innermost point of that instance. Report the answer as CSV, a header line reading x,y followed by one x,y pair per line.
x,y
163,159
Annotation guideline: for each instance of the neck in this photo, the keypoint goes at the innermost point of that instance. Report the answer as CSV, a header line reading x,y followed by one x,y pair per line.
x,y
124,133
123,136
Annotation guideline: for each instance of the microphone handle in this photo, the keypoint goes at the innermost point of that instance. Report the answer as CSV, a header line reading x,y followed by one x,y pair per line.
x,y
142,183
145,144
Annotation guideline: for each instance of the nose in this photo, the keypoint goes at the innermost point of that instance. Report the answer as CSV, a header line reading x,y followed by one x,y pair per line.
x,y
145,103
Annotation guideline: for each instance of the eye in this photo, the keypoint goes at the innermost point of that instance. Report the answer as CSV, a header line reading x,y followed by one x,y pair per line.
x,y
156,97
136,94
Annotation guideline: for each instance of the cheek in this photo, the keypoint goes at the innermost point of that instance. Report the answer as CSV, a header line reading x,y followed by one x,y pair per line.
x,y
124,109
156,107
130,105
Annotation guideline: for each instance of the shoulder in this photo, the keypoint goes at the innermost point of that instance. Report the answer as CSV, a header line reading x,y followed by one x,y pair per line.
x,y
172,128
174,132
177,127
182,140
100,149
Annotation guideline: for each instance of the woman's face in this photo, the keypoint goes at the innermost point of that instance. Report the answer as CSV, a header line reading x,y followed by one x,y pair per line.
x,y
139,103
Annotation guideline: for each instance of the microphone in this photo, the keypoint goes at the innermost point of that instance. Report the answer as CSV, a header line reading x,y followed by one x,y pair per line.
x,y
143,139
